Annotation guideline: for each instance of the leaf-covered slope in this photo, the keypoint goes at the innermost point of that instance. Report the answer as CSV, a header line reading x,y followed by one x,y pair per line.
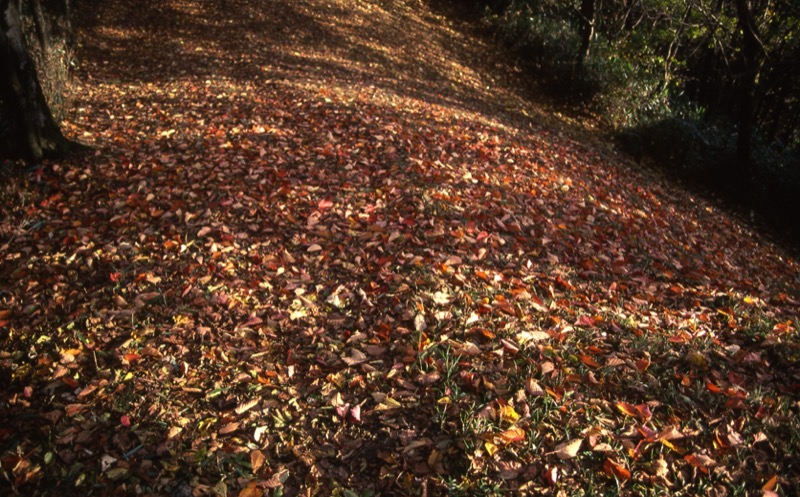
x,y
322,247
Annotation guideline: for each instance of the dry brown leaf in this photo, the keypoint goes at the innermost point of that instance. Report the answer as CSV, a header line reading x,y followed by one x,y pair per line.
x,y
257,460
533,388
568,449
229,428
356,357
547,367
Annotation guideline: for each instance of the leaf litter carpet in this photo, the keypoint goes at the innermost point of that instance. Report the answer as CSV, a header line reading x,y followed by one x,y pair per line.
x,y
324,247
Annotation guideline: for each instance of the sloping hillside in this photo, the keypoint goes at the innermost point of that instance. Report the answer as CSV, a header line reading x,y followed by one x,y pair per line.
x,y
326,247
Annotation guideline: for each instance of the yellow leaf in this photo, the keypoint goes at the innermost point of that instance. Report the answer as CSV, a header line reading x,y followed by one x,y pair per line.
x,y
491,448
507,413
672,446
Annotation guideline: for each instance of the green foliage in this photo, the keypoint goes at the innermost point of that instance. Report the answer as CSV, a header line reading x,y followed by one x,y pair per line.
x,y
651,60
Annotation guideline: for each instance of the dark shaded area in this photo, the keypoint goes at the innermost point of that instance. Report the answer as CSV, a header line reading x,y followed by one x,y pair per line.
x,y
701,156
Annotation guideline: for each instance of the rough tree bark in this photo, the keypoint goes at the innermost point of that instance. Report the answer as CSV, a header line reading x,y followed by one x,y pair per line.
x,y
35,133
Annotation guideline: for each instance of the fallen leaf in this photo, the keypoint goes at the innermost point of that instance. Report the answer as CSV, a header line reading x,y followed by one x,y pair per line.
x,y
615,469
568,449
246,406
257,460
229,428
356,357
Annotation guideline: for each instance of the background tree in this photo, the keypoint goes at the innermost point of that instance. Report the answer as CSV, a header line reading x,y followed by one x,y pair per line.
x,y
31,130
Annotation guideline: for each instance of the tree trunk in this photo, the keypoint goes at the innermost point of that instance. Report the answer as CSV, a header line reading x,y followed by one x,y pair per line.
x,y
42,30
587,20
750,49
35,134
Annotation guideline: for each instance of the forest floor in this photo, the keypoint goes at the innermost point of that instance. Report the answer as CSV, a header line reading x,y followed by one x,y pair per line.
x,y
331,247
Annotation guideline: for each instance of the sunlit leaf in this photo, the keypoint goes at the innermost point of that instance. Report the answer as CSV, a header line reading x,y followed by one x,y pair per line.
x,y
568,449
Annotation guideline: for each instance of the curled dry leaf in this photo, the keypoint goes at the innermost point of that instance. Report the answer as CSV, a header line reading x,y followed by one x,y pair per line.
x,y
551,476
533,388
277,479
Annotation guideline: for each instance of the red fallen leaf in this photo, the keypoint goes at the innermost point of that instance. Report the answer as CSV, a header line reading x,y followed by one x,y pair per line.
x,y
585,321
595,350
782,328
70,382
713,388
613,468
626,409
115,277
131,357
649,434
643,410
124,420
555,394
589,361
324,204
74,409
700,461
680,338
551,476
642,364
